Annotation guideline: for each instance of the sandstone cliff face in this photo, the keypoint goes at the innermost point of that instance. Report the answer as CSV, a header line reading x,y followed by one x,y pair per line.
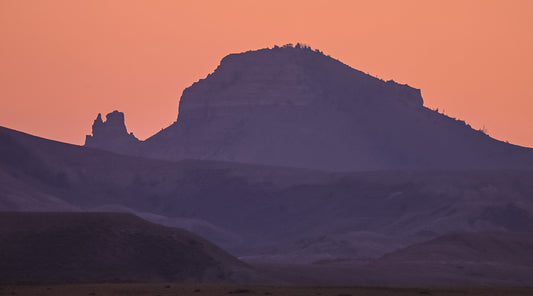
x,y
285,78
111,134
297,107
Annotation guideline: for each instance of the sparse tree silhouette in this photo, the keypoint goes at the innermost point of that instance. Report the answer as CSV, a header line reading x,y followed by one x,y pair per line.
x,y
484,130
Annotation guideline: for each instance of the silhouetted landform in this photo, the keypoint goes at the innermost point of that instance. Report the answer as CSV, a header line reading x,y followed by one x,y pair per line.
x,y
112,134
104,247
500,258
266,214
296,107
465,258
299,164
468,247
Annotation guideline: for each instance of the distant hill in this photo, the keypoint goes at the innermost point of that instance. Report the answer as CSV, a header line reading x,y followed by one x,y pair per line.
x,y
297,107
265,213
470,247
99,247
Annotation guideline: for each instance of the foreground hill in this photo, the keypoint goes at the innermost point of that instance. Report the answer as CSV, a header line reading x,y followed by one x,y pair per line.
x,y
469,247
463,258
150,289
496,258
299,108
99,247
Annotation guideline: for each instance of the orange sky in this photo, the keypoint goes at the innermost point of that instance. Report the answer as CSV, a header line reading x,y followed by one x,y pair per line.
x,y
62,62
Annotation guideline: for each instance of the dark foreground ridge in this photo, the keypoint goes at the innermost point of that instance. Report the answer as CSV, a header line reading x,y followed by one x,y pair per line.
x,y
172,289
106,247
296,107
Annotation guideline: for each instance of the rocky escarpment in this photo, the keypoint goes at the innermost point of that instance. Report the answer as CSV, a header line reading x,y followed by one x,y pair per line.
x,y
111,134
286,78
293,106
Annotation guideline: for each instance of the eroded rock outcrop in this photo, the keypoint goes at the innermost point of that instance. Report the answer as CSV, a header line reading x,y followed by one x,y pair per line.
x,y
293,106
286,77
111,134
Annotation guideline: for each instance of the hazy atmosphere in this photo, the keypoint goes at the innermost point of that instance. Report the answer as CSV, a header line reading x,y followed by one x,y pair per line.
x,y
266,148
63,62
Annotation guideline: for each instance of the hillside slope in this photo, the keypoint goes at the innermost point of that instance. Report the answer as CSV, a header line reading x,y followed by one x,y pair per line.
x,y
264,213
99,247
299,108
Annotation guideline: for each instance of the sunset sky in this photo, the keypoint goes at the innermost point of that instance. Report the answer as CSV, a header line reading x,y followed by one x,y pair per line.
x,y
63,62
